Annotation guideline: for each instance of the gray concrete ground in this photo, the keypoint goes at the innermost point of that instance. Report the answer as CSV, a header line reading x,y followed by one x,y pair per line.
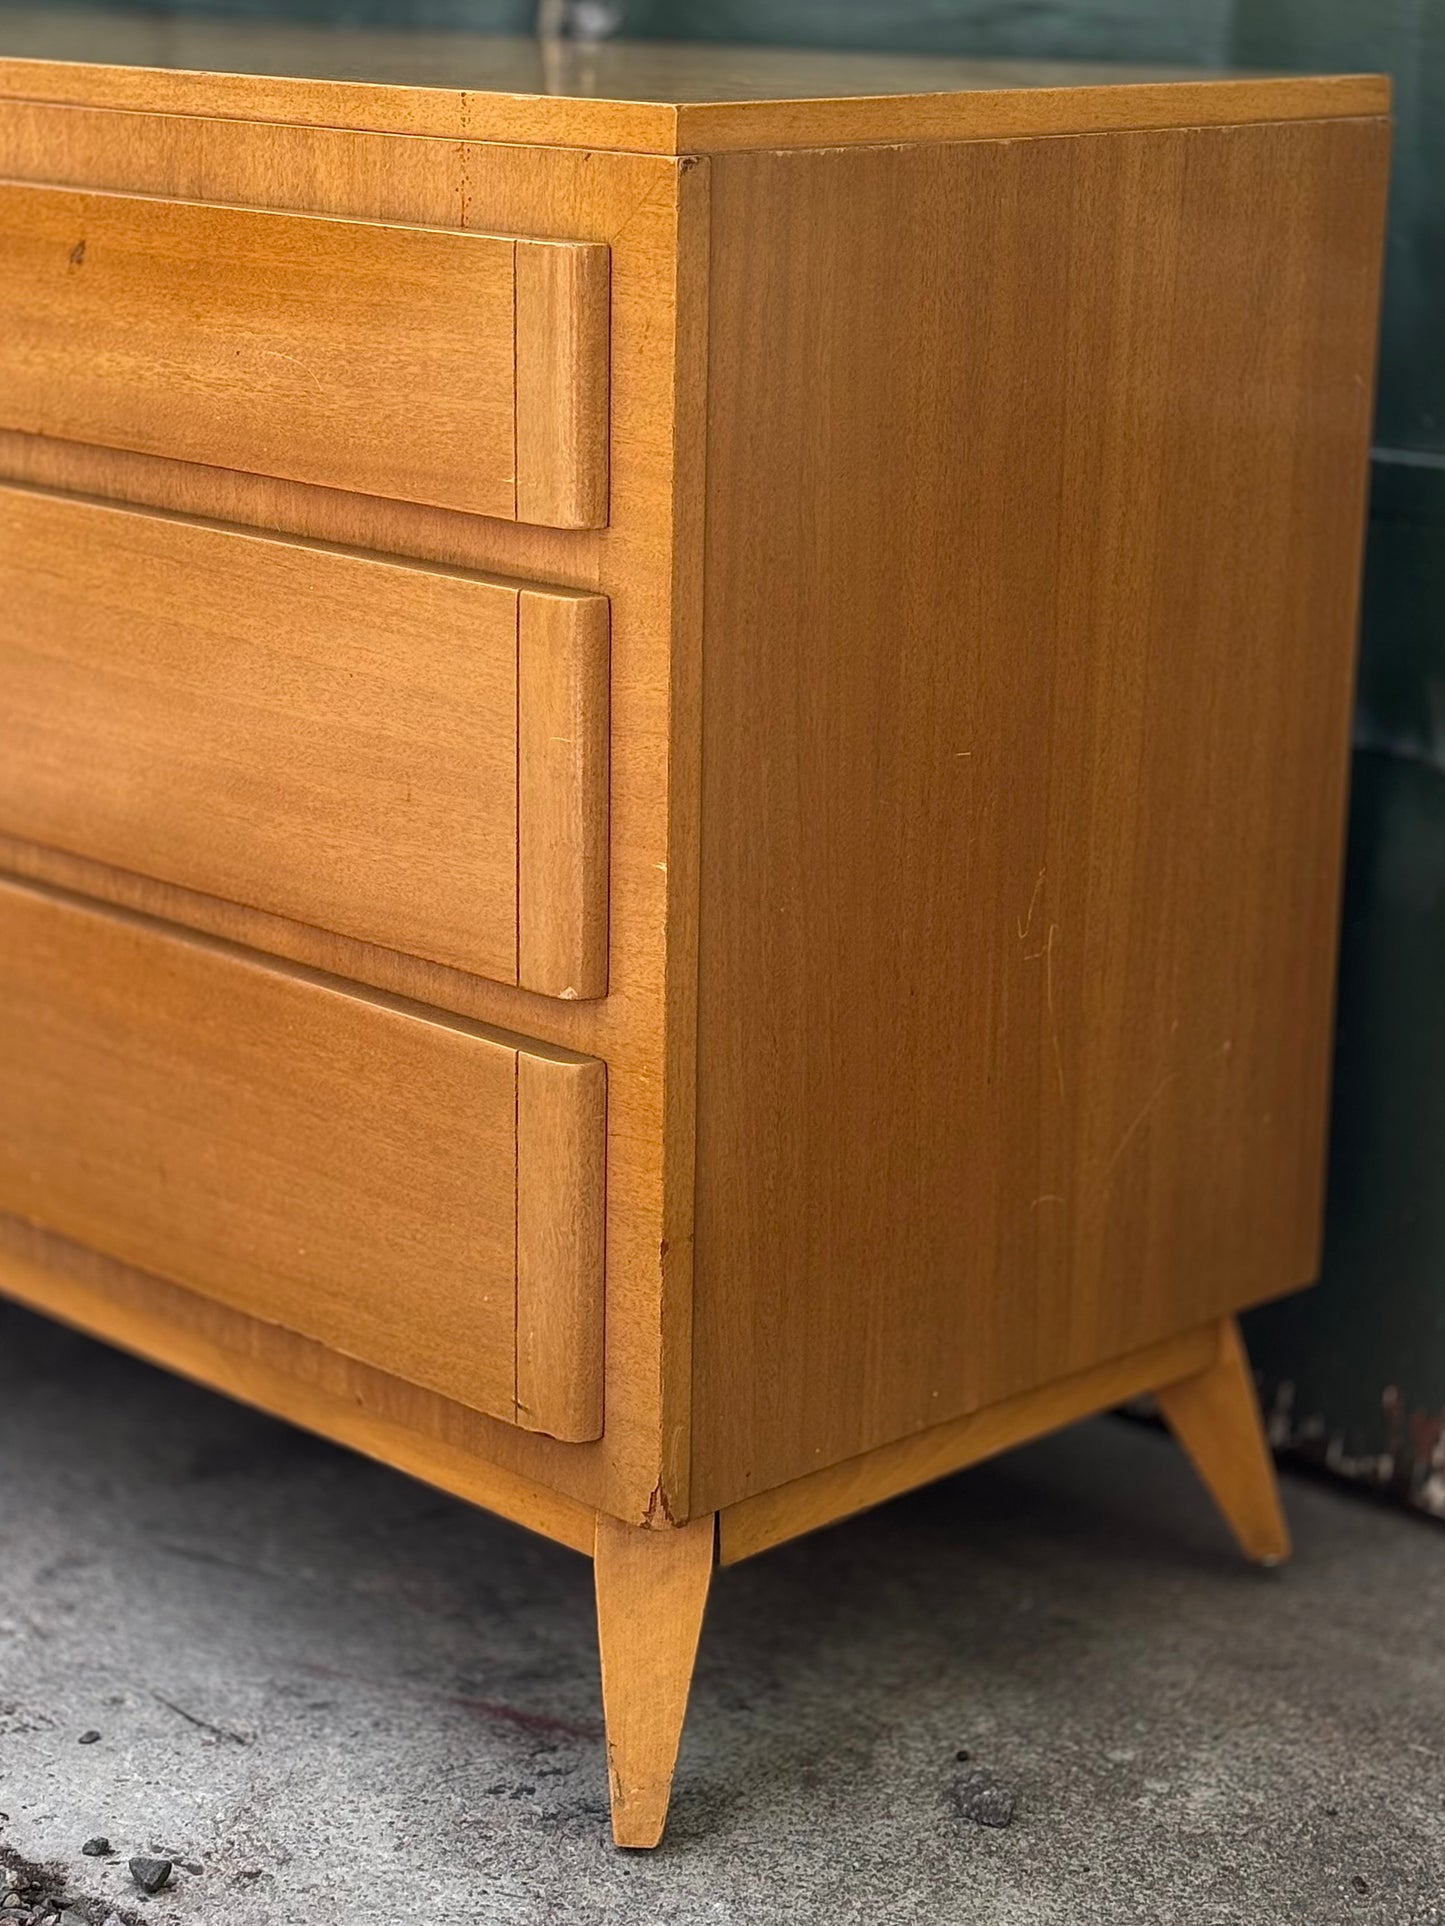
x,y
344,1699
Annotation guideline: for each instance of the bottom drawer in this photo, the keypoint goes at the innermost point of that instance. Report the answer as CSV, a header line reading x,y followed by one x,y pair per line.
x,y
393,1181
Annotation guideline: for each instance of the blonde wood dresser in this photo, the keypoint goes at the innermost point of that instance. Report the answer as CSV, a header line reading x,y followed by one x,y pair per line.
x,y
672,748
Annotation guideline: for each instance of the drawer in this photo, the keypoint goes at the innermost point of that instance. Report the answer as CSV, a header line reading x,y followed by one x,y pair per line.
x,y
429,364
409,755
399,1184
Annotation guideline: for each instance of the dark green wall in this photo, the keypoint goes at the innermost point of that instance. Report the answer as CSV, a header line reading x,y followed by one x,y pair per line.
x,y
484,16
1355,1371
1357,1368
1167,30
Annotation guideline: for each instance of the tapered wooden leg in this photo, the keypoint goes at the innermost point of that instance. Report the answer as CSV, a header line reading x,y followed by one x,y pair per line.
x,y
651,1590
1215,1416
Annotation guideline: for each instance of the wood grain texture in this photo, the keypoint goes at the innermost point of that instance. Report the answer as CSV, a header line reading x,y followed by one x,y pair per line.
x,y
372,356
317,1159
620,95
1028,656
256,1363
562,298
1215,1416
342,1165
352,353
652,1589
561,557
561,1245
328,736
651,215
838,1491
1030,113
411,756
562,780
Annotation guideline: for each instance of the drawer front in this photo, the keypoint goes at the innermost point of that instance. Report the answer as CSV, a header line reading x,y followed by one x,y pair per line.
x,y
409,755
464,370
400,1185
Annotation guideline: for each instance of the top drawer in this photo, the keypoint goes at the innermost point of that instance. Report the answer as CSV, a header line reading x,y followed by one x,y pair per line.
x,y
467,371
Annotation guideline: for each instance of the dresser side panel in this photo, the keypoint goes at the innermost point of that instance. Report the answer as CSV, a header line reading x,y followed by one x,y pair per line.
x,y
1036,476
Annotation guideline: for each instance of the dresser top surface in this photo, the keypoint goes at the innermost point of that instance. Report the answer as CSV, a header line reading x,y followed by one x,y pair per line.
x,y
674,98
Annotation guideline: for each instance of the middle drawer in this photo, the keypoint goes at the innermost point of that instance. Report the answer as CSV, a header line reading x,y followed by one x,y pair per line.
x,y
411,755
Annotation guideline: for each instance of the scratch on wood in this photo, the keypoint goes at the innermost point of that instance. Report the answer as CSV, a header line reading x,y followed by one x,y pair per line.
x,y
1049,1002
1027,924
464,155
275,354
1165,1082
1046,952
1137,1125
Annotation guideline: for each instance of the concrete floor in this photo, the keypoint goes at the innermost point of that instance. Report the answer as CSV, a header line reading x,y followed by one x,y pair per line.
x,y
345,1699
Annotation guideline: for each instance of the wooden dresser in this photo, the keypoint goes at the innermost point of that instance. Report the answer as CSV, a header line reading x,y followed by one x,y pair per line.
x,y
672,749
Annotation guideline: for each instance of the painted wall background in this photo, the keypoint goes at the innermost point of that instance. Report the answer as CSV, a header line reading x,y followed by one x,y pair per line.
x,y
1354,1372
